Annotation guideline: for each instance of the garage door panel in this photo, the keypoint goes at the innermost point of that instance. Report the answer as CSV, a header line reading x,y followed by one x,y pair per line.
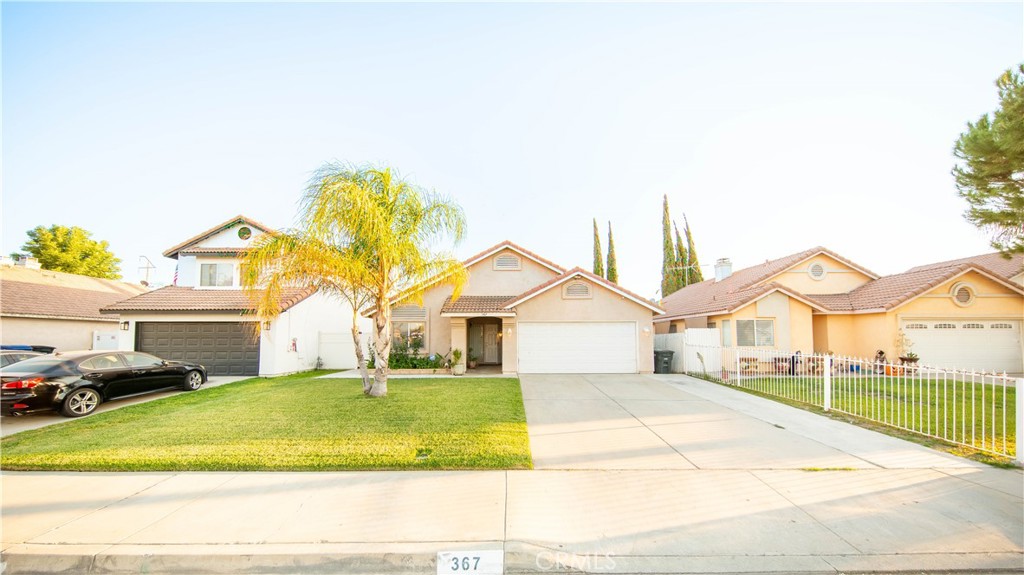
x,y
225,348
577,347
978,344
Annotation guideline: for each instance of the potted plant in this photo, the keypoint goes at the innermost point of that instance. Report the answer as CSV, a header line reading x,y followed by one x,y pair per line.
x,y
471,359
458,368
909,358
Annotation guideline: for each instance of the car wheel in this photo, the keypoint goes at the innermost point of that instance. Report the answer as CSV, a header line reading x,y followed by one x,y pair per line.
x,y
193,380
81,402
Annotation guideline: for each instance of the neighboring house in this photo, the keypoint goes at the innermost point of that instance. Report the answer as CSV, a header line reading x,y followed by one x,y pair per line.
x,y
964,313
206,317
43,307
526,314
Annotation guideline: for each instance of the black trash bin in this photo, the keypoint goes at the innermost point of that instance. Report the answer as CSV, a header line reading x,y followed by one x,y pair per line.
x,y
663,361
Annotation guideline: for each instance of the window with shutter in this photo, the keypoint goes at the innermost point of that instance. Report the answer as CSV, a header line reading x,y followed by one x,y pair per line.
x,y
755,333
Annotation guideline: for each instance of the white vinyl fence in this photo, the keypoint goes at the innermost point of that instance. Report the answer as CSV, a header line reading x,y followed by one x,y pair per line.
x,y
976,409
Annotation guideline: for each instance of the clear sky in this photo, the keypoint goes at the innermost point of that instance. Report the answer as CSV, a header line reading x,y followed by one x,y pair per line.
x,y
774,127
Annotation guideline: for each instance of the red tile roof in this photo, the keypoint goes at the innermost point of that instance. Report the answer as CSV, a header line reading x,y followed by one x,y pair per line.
x,y
175,298
49,294
476,304
173,252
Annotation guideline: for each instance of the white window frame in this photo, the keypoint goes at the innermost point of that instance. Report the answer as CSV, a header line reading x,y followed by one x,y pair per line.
x,y
758,333
233,275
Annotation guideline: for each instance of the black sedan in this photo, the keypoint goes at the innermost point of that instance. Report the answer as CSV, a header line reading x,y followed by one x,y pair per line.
x,y
76,382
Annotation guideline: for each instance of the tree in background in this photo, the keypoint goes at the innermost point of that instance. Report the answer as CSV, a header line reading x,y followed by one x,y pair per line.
x,y
71,250
693,273
365,236
598,257
613,268
669,261
682,259
989,174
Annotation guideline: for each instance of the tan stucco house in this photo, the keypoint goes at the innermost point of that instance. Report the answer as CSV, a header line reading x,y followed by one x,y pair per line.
x,y
964,313
527,314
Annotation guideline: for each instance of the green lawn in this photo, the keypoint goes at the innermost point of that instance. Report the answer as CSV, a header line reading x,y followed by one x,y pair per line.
x,y
975,415
293,423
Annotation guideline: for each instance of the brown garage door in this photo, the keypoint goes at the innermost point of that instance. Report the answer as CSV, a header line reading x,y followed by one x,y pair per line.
x,y
225,348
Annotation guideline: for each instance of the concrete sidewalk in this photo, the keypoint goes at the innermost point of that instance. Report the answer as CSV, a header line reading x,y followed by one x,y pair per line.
x,y
908,512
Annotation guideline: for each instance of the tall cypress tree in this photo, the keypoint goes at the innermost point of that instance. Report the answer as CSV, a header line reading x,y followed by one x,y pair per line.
x,y
669,275
694,270
682,259
598,257
613,269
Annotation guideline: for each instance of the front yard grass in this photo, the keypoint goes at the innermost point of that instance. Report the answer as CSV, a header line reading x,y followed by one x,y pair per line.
x,y
293,423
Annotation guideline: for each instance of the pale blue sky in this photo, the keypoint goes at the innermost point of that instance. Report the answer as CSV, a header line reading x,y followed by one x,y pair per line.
x,y
774,127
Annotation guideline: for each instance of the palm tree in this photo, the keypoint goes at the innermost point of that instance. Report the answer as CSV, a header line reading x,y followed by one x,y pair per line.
x,y
366,235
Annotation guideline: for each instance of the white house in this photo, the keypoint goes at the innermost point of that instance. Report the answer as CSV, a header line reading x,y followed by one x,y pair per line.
x,y
206,316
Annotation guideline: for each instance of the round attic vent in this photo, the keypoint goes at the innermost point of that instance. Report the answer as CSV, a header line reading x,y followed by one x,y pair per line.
x,y
963,294
244,233
817,271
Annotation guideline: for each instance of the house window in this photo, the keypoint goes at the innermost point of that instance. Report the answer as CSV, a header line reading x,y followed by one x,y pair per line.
x,y
945,326
577,290
974,326
507,262
672,328
726,333
408,327
216,275
244,233
755,332
1001,326
712,325
408,334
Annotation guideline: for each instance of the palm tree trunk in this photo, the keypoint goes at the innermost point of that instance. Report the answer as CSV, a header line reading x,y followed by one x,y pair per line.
x,y
382,349
360,356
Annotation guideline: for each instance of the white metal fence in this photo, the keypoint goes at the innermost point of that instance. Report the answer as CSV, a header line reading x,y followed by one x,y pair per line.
x,y
976,409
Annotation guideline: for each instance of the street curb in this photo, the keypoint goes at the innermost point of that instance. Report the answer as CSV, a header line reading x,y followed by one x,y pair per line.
x,y
420,558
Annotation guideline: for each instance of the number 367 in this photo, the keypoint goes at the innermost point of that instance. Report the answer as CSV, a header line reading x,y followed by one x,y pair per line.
x,y
465,563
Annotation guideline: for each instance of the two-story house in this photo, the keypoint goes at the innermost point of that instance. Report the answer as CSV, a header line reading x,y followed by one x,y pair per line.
x,y
206,317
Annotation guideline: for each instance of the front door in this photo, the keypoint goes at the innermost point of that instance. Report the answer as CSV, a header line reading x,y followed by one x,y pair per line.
x,y
491,343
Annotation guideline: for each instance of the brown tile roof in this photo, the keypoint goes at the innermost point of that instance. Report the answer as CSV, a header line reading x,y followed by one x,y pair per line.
x,y
885,293
891,291
577,271
175,298
214,251
1005,267
476,304
173,252
48,294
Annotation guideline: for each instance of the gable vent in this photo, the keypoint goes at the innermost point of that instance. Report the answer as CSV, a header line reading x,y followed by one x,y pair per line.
x,y
507,262
409,313
577,290
817,271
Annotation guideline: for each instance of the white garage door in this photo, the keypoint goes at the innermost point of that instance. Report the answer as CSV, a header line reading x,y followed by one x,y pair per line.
x,y
982,344
578,347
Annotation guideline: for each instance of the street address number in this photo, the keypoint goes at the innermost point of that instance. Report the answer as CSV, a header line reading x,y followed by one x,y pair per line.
x,y
486,562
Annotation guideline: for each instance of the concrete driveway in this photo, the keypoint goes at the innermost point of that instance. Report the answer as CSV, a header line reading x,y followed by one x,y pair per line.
x,y
676,422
